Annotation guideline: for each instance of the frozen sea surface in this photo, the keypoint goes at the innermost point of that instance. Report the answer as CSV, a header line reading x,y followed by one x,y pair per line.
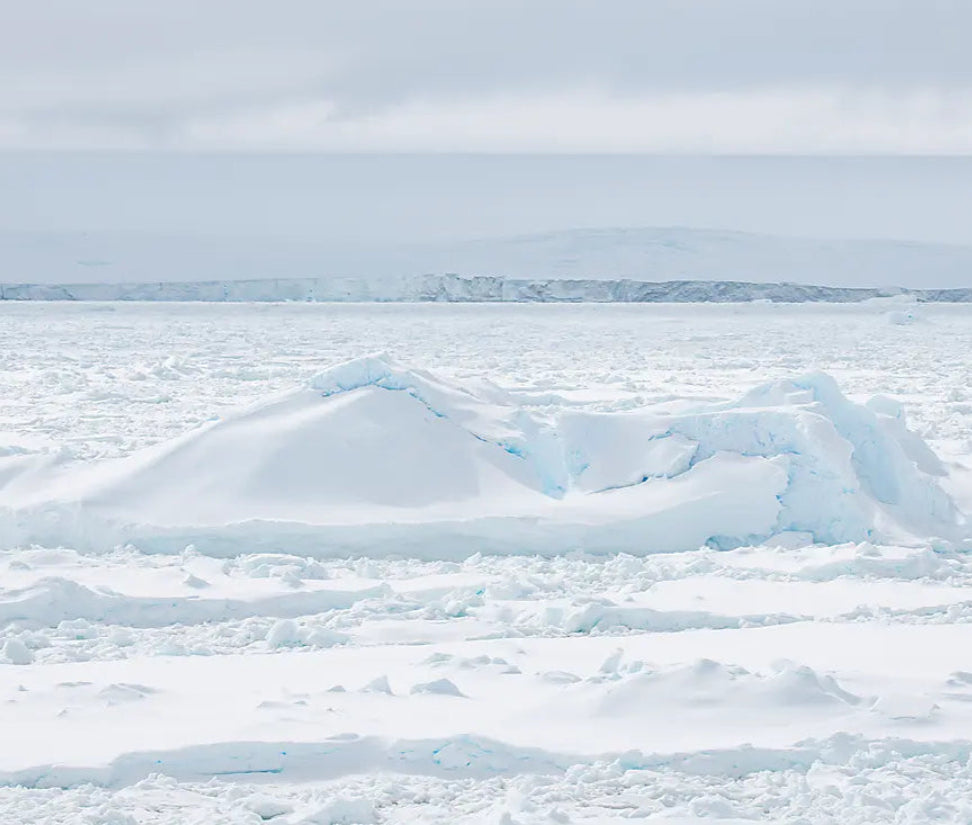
x,y
788,682
105,379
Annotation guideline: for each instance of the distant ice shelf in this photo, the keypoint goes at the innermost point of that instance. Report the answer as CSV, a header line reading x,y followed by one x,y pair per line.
x,y
475,289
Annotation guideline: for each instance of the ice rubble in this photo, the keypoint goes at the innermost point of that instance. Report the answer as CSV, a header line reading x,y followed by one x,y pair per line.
x,y
374,458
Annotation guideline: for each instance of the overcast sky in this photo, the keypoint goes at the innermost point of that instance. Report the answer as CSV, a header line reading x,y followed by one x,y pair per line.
x,y
747,76
298,118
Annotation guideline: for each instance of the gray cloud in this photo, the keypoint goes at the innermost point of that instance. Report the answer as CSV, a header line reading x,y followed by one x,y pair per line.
x,y
893,75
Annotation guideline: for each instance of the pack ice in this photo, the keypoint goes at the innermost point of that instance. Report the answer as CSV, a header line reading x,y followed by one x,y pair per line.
x,y
373,458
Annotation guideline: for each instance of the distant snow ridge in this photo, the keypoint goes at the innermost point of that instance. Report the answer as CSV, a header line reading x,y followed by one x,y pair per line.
x,y
374,458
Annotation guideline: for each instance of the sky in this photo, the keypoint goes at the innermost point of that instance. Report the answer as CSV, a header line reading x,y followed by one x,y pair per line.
x,y
226,125
429,198
695,76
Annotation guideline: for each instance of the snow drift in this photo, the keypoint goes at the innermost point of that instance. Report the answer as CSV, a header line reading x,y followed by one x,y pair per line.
x,y
374,458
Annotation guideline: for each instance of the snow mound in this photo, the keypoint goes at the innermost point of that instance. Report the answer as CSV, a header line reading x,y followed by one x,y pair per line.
x,y
707,683
374,458
441,687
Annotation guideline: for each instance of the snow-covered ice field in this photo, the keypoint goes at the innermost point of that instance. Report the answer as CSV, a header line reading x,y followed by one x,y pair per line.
x,y
730,577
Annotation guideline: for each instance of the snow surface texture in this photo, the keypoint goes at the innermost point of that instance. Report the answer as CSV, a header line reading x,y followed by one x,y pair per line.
x,y
781,682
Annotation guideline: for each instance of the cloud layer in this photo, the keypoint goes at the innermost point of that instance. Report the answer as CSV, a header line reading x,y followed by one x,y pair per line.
x,y
470,75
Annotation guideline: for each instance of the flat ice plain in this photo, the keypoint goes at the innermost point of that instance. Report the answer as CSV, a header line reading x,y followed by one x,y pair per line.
x,y
819,673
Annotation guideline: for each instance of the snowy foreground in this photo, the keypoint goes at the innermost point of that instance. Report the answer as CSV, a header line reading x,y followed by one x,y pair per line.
x,y
535,564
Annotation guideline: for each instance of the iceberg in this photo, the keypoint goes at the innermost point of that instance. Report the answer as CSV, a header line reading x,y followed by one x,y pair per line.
x,y
374,458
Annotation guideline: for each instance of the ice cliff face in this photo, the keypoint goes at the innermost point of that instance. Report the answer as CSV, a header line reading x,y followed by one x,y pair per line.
x,y
374,458
454,288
